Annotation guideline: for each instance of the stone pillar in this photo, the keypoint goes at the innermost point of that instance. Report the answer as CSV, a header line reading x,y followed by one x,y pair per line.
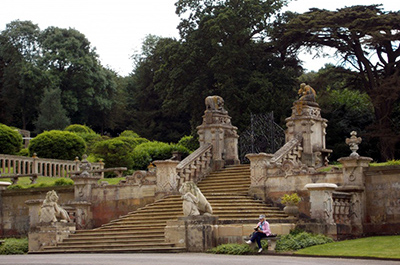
x,y
49,234
167,177
217,130
258,174
306,120
34,210
196,233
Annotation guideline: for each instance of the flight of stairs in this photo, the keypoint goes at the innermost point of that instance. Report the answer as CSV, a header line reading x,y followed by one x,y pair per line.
x,y
143,230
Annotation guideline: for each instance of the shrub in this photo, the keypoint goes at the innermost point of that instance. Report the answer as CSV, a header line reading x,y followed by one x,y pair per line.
x,y
58,145
297,240
78,128
190,142
23,152
13,246
232,249
117,152
10,140
129,133
63,182
145,153
292,199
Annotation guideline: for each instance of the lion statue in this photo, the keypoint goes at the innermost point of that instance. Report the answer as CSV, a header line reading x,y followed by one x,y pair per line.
x,y
214,103
306,93
51,211
194,202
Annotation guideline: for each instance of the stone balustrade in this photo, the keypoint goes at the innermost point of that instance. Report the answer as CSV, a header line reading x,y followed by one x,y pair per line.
x,y
342,207
20,166
196,165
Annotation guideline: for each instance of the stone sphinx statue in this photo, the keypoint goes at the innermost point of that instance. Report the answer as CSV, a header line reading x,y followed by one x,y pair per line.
x,y
215,103
51,211
306,93
194,202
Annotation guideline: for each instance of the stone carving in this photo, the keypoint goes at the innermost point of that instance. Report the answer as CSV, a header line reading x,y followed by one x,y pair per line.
x,y
194,202
51,211
214,103
306,93
353,142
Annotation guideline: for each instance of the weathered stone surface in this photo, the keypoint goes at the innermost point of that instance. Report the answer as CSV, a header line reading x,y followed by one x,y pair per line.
x,y
49,234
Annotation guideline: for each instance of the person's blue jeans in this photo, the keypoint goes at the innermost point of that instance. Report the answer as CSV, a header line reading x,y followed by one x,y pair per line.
x,y
257,237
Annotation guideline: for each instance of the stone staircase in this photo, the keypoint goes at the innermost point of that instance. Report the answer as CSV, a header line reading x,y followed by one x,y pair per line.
x,y
143,229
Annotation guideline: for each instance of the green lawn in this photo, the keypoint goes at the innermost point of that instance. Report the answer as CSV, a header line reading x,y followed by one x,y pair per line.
x,y
378,247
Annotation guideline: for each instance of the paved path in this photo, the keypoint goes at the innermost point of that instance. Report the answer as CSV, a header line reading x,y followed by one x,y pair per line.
x,y
177,259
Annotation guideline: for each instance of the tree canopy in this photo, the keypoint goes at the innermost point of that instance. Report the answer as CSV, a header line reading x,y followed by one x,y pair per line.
x,y
358,33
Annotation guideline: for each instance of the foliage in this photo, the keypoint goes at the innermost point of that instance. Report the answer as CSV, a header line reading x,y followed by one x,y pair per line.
x,y
23,152
63,182
13,246
297,240
41,182
129,133
117,152
190,142
146,153
377,247
232,249
291,199
10,140
58,145
356,33
52,115
79,128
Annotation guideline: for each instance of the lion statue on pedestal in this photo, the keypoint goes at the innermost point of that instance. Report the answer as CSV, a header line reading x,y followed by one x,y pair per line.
x,y
194,202
51,211
307,93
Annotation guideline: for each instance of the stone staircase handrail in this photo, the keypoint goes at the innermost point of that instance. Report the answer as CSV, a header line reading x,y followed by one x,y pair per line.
x,y
196,165
286,150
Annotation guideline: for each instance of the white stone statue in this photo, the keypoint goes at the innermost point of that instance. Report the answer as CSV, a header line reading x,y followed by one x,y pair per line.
x,y
51,211
194,202
214,103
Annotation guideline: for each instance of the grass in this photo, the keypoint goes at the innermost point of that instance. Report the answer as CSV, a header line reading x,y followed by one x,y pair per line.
x,y
25,182
377,247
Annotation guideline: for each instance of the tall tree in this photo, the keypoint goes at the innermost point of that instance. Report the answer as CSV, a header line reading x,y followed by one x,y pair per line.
x,y
357,33
52,114
21,80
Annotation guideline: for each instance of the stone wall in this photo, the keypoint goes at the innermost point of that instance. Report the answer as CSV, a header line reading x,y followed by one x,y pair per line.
x,y
109,202
382,186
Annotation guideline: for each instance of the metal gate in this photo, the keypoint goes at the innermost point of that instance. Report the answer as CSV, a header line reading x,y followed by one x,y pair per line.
x,y
263,135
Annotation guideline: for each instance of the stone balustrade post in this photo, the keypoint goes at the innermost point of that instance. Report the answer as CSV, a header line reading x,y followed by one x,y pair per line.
x,y
167,177
258,173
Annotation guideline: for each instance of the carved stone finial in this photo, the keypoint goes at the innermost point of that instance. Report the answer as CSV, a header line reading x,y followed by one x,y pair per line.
x,y
85,166
353,142
215,103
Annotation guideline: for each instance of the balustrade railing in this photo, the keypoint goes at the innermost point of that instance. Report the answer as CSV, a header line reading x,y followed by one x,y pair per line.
x,y
196,165
290,151
341,207
21,165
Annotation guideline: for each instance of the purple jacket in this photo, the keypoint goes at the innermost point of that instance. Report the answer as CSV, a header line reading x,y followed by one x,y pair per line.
x,y
264,227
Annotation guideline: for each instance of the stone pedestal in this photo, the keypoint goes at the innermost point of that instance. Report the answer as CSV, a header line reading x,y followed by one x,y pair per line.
x,y
167,177
258,174
48,234
321,201
353,170
34,211
306,120
217,130
196,233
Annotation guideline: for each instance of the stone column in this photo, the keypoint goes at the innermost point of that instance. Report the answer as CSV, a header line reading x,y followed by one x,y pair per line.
x,y
34,210
196,233
167,177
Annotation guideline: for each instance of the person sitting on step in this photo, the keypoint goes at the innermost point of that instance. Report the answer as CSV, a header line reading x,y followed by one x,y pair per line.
x,y
261,230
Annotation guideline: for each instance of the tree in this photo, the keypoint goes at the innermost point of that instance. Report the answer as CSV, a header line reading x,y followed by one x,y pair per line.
x,y
357,33
52,114
22,82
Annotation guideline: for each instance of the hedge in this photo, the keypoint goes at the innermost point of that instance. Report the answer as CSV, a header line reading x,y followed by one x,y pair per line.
x,y
57,145
10,140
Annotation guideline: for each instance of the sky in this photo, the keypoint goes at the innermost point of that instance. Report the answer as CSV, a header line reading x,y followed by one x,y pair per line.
x,y
117,28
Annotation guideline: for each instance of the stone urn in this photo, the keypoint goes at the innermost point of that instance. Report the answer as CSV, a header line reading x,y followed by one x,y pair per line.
x,y
291,210
291,201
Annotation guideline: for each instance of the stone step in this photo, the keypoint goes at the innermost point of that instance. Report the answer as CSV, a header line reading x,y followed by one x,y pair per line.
x,y
122,249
